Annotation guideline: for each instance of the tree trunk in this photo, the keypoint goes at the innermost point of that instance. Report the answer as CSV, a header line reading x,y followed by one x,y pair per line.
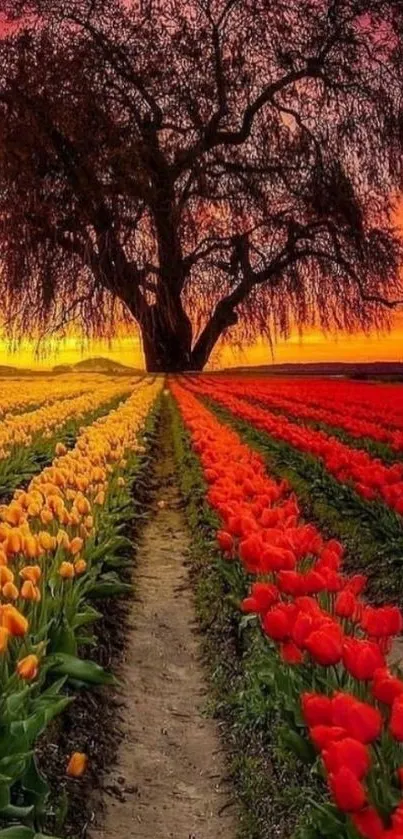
x,y
222,318
167,347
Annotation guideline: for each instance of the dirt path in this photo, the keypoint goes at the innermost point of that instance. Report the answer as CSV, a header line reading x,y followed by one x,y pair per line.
x,y
169,780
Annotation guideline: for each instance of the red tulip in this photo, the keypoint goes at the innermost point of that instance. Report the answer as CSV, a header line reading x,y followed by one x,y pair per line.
x,y
290,653
360,720
382,622
290,582
262,597
362,658
325,645
323,735
385,687
346,604
277,625
316,709
250,551
314,582
347,752
225,541
397,819
396,719
334,582
368,823
277,559
356,584
347,791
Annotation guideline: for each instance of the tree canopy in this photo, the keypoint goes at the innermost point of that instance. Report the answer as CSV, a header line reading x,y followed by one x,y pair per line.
x,y
199,166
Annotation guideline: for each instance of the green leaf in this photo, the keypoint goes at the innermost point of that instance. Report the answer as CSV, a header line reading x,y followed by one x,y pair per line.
x,y
89,616
297,744
33,782
34,725
14,765
62,639
82,670
14,812
55,688
15,701
109,589
4,796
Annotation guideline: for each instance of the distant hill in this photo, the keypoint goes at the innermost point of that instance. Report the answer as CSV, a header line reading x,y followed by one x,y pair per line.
x,y
97,365
380,370
9,370
88,365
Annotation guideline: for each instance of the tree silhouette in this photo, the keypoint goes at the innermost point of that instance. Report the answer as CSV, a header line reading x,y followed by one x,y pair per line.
x,y
199,165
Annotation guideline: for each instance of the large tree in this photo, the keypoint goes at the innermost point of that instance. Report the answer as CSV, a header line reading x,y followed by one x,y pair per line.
x,y
199,165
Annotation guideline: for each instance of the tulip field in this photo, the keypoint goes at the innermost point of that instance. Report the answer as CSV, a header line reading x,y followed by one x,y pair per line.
x,y
293,494
332,682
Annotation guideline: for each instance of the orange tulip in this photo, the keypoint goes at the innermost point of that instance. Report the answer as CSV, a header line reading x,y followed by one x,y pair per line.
x,y
29,591
121,482
4,532
31,572
63,539
28,667
75,517
13,620
45,540
34,509
6,575
100,498
4,633
59,478
80,566
13,513
82,505
14,542
10,591
77,765
60,449
30,547
46,515
76,545
3,557
66,570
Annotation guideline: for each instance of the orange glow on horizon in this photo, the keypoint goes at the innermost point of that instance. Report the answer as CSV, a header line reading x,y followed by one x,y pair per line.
x,y
313,347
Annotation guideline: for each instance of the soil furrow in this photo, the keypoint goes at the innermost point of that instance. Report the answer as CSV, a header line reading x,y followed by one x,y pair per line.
x,y
169,779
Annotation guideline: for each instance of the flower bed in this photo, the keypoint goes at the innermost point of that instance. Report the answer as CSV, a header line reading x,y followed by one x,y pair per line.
x,y
327,649
371,478
52,563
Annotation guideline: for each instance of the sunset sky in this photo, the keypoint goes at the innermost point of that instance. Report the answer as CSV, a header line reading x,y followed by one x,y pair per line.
x,y
314,347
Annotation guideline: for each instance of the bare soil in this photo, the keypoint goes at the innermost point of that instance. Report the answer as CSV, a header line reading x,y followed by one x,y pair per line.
x,y
169,778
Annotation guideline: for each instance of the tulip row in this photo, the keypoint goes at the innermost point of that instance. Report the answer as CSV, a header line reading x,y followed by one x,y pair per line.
x,y
378,404
329,649
20,394
371,479
20,429
57,542
268,393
